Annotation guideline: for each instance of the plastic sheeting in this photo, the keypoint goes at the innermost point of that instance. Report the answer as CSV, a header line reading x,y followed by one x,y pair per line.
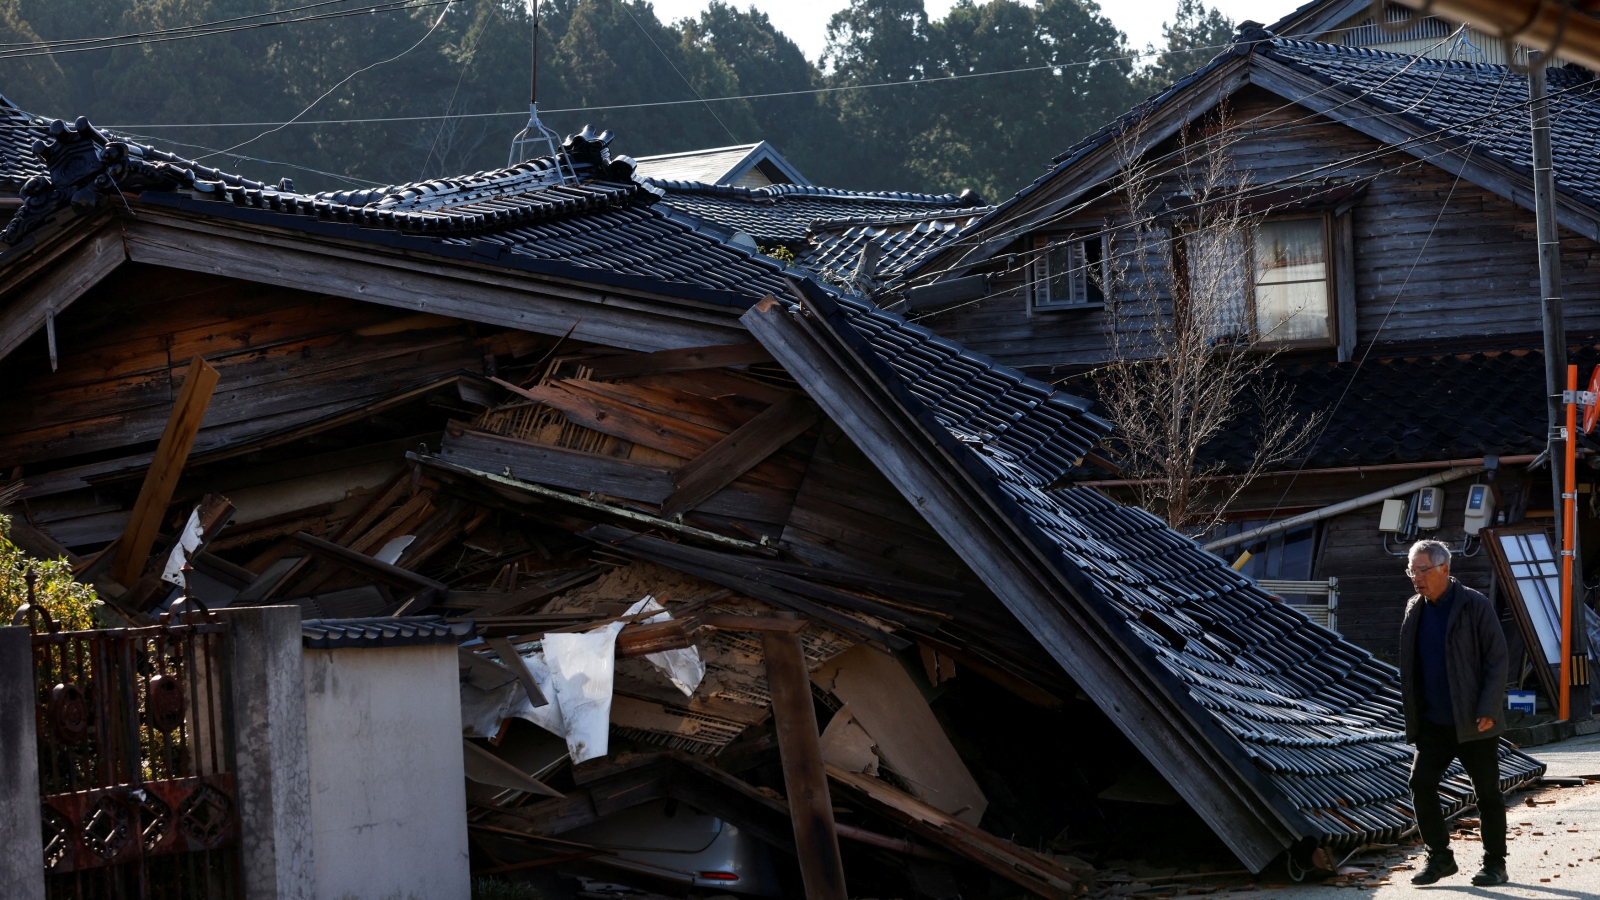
x,y
582,669
576,673
188,540
684,667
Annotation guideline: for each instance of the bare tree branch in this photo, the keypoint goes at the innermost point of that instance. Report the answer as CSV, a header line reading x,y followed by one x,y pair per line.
x,y
1189,359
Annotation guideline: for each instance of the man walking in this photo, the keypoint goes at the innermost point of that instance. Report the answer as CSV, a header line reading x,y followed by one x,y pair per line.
x,y
1452,681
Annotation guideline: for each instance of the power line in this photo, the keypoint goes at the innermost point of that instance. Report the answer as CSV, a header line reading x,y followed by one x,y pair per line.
x,y
1051,67
176,35
271,162
35,45
675,71
431,29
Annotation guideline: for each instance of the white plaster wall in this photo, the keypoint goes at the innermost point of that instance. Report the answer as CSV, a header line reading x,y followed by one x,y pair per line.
x,y
388,800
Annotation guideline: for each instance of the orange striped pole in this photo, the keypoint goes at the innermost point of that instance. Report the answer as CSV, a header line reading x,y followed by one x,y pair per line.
x,y
1569,518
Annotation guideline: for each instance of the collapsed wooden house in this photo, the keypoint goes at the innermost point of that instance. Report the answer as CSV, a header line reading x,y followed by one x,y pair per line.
x,y
535,396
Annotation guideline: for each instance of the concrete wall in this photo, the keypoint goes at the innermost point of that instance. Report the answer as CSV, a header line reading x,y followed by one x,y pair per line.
x,y
21,844
388,801
270,744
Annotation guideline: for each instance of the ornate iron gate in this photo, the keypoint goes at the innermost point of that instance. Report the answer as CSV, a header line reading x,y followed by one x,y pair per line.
x,y
135,750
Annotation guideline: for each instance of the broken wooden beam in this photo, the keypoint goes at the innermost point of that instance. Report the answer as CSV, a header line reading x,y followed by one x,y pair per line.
x,y
486,768
804,779
512,660
685,359
172,453
653,637
1034,872
372,568
759,624
739,452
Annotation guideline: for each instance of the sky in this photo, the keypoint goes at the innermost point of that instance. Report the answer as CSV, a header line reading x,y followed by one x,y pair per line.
x,y
806,21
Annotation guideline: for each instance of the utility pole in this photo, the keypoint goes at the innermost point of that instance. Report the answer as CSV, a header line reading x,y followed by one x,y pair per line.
x,y
1555,380
1544,211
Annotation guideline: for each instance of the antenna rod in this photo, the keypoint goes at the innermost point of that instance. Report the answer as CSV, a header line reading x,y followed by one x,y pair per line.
x,y
533,86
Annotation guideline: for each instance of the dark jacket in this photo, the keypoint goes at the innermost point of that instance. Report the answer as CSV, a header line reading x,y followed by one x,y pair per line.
x,y
1475,658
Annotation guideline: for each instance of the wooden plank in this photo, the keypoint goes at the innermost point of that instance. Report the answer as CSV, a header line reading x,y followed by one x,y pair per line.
x,y
64,282
607,416
685,359
486,768
513,661
1034,872
886,702
171,455
804,779
738,453
366,565
759,624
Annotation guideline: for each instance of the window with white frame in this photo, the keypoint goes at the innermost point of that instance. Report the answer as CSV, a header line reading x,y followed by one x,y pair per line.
x,y
1269,281
1068,272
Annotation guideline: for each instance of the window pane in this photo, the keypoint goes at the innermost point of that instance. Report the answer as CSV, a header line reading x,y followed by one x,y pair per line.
x,y
1065,276
1290,251
1217,280
1291,274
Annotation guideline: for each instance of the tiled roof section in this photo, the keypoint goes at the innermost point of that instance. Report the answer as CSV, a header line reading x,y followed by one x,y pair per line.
x,y
603,220
1440,407
1459,98
836,246
1318,718
695,165
1434,94
402,631
784,213
18,131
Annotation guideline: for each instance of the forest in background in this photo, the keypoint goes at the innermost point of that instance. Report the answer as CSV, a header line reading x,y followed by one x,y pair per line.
x,y
598,59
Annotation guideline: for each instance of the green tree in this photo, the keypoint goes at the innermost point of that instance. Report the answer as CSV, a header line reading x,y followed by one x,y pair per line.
x,y
762,60
69,603
1193,37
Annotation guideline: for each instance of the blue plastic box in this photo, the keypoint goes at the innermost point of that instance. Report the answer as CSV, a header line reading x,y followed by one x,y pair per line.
x,y
1521,701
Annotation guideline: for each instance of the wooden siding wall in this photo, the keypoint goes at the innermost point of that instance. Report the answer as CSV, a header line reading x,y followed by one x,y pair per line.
x,y
1476,281
286,357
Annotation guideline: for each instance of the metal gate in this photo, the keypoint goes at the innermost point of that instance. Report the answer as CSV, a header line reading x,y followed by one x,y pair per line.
x,y
135,747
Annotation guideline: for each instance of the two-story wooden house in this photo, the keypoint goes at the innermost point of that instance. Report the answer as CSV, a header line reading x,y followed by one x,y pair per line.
x,y
1403,186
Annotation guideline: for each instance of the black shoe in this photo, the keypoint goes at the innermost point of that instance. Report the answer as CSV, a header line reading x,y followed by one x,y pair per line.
x,y
1492,873
1440,865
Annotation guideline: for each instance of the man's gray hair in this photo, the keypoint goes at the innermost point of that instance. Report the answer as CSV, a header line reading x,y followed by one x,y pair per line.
x,y
1437,552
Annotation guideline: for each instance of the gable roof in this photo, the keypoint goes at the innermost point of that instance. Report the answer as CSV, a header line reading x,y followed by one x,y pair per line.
x,y
1433,109
747,165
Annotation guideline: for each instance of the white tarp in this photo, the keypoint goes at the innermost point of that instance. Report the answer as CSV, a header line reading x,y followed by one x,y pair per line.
x,y
575,672
582,670
188,540
684,667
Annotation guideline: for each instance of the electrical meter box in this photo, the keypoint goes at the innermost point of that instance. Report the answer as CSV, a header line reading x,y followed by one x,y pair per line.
x,y
1430,508
1393,517
1480,509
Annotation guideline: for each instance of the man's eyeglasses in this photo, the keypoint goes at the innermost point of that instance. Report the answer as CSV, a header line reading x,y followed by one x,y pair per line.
x,y
1412,571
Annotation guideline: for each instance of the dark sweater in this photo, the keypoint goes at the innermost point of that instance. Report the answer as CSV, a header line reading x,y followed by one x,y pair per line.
x,y
1431,660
